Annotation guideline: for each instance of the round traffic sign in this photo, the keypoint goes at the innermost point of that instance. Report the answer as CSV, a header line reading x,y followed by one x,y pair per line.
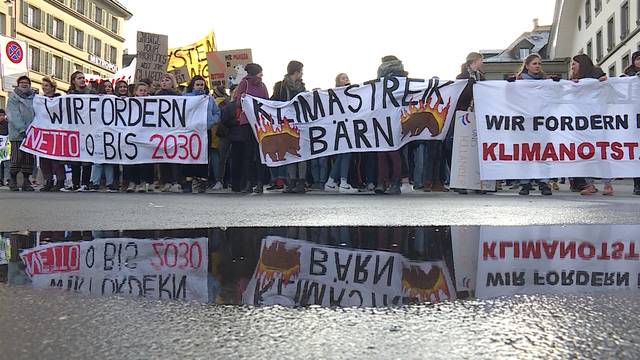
x,y
14,52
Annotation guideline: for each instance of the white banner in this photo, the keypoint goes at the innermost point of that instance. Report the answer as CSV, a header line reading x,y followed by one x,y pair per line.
x,y
464,246
546,129
4,250
108,129
13,61
465,166
5,148
379,115
292,272
153,269
557,259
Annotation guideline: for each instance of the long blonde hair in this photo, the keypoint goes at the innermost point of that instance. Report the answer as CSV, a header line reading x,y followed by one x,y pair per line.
x,y
471,57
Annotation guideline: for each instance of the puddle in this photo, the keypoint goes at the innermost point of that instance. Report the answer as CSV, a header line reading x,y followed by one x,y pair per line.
x,y
326,266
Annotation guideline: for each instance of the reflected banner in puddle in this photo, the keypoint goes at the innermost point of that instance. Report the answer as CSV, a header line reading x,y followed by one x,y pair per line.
x,y
327,266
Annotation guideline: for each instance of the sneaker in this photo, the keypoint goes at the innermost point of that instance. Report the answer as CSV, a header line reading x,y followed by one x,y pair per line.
x,y
82,188
346,188
93,188
379,189
176,188
217,186
406,188
525,189
196,186
166,187
276,186
331,185
27,187
554,185
112,189
371,186
68,189
143,187
608,190
394,189
589,190
545,189
259,189
132,187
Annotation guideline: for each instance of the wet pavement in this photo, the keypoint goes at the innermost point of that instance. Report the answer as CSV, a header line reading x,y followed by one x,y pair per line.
x,y
328,292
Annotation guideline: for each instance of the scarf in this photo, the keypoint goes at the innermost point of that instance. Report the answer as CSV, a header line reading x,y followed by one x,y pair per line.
x,y
25,94
293,86
528,76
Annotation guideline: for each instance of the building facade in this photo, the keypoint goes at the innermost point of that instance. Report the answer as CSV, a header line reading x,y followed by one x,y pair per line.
x,y
606,30
502,64
66,35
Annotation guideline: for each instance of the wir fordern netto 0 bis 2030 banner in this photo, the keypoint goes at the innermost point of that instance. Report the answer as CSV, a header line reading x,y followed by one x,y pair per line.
x,y
379,115
545,129
112,130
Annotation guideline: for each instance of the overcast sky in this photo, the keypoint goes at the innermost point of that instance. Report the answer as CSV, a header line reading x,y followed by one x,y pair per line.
x,y
431,37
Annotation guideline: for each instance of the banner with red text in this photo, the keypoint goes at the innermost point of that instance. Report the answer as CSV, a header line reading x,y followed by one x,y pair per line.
x,y
379,115
153,269
112,130
298,273
545,129
557,259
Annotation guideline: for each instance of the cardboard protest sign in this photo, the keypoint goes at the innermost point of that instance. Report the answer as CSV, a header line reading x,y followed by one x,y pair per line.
x,y
379,115
154,269
13,61
465,165
5,148
567,259
193,56
545,129
181,74
108,129
292,272
226,68
126,74
151,58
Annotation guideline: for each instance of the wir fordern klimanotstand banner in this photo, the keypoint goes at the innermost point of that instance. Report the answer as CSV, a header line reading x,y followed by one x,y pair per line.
x,y
379,115
108,129
545,129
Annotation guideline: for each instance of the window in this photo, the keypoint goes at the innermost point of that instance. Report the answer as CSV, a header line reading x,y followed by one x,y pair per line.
x,y
31,16
524,52
597,6
587,12
611,34
625,61
95,46
112,54
55,27
624,20
56,67
3,24
590,49
599,45
114,24
76,38
34,58
612,70
77,67
78,5
98,15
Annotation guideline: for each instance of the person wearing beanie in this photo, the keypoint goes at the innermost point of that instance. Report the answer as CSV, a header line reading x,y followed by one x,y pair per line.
x,y
20,109
285,90
248,172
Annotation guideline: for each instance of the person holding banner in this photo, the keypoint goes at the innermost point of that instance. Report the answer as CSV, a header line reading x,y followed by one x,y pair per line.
x,y
582,67
340,168
105,87
170,174
80,172
532,70
634,70
109,170
139,176
286,90
122,88
51,167
20,109
246,151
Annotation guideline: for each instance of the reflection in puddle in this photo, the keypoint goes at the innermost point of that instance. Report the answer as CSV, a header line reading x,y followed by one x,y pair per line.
x,y
327,266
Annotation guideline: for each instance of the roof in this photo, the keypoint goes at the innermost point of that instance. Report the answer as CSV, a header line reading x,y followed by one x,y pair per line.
x,y
538,38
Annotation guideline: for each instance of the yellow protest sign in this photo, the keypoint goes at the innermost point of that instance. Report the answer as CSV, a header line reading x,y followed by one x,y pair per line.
x,y
193,56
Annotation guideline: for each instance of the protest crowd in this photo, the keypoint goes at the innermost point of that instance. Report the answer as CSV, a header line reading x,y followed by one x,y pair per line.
x,y
234,159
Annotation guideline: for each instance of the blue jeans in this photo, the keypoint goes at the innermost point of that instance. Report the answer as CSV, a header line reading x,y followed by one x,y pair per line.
x,y
278,172
214,164
98,169
319,170
419,158
340,168
368,166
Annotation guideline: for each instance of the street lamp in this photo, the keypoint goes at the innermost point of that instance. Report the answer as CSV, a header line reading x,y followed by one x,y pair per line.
x,y
12,14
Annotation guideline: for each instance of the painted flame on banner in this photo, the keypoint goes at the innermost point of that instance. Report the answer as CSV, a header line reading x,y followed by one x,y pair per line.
x,y
431,286
277,261
415,119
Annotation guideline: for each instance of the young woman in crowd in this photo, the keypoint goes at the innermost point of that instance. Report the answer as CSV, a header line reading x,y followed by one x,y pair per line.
x,y
634,70
108,170
51,167
139,176
285,90
121,89
170,174
245,154
81,172
20,111
583,68
199,173
340,168
389,181
105,88
219,145
532,70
